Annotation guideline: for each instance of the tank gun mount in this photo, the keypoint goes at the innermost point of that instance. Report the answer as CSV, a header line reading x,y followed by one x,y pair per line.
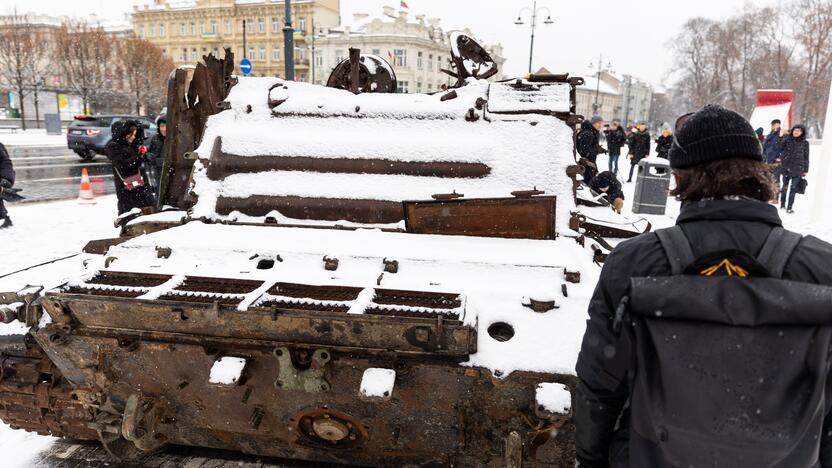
x,y
375,75
469,60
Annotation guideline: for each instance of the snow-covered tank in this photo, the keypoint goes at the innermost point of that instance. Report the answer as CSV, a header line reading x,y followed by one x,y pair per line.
x,y
370,279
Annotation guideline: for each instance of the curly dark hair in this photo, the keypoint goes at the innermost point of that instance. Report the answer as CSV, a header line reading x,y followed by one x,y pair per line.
x,y
725,177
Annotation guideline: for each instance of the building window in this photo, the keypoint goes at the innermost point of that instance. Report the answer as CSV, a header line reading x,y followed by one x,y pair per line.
x,y
214,26
204,52
402,87
182,30
216,52
141,32
400,56
184,55
251,25
151,30
275,24
302,24
339,56
263,54
430,62
251,53
276,54
300,55
319,59
419,67
202,28
438,62
228,26
193,29
418,86
430,87
193,54
377,52
162,32
261,25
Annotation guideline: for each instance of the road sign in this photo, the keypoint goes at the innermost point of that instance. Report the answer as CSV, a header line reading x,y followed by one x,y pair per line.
x,y
245,66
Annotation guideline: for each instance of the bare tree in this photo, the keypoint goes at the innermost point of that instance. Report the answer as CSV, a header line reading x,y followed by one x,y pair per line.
x,y
83,54
144,69
22,50
814,33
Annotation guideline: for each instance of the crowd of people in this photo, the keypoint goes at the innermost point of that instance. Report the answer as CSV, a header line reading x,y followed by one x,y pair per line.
x,y
785,152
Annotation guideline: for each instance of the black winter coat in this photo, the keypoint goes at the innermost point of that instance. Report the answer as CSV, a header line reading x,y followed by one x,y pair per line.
x,y
154,152
607,179
6,172
663,145
795,154
639,145
587,142
126,162
616,140
711,226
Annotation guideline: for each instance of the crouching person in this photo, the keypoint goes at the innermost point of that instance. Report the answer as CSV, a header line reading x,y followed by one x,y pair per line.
x,y
606,183
708,343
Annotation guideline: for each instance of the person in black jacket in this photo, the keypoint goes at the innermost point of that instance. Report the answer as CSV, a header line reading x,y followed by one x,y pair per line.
x,y
725,190
6,182
664,142
616,137
794,157
639,144
588,146
607,183
123,151
155,158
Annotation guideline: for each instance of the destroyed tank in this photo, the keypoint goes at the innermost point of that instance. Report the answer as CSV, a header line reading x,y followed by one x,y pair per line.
x,y
338,275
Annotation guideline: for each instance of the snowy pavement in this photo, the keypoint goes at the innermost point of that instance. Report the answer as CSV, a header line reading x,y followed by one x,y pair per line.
x,y
32,137
46,231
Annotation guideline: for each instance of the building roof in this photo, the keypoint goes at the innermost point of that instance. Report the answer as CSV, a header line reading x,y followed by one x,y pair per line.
x,y
591,82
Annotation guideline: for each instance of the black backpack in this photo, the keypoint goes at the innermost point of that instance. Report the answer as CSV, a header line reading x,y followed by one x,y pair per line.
x,y
729,362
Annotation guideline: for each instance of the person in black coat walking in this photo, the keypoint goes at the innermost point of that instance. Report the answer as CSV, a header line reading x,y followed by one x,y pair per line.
x,y
794,157
725,188
616,138
123,151
7,176
607,183
664,142
155,158
587,144
639,144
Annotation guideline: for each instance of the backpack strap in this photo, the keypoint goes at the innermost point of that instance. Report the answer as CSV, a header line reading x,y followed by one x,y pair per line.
x,y
777,250
677,247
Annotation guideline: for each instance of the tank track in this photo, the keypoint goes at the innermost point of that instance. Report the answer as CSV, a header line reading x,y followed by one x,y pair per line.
x,y
35,397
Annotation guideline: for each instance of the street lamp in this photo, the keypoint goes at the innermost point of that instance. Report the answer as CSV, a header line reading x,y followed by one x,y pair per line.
x,y
601,68
533,13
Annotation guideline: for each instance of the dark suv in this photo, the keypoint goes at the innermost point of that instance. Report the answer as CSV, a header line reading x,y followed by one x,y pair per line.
x,y
87,135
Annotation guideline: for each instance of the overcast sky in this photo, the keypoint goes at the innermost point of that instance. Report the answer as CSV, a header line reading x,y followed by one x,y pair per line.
x,y
634,35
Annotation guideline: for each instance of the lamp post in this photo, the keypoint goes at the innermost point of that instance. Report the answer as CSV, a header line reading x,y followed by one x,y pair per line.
x,y
533,12
289,42
601,68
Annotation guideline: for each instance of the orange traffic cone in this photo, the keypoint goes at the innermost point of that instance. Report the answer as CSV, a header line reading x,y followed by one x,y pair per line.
x,y
85,194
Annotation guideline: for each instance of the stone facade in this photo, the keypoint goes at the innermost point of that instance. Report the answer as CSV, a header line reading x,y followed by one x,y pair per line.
x,y
624,98
188,31
416,47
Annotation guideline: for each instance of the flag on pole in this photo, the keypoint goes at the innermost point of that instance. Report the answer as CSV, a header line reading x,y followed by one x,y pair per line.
x,y
404,5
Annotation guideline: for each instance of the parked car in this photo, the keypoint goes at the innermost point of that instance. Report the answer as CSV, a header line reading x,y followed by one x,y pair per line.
x,y
87,135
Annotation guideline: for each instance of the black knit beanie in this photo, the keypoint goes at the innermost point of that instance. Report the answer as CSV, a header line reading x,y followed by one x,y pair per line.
x,y
714,133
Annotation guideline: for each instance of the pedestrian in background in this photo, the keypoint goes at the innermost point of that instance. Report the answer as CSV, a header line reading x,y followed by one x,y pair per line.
x,y
664,141
794,158
588,146
616,138
6,183
639,144
771,151
155,160
123,150
760,135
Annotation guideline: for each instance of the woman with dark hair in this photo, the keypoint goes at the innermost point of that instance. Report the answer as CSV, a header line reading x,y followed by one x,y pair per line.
x,y
794,159
123,150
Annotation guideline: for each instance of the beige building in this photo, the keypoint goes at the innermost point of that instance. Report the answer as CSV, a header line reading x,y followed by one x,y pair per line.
x,y
623,98
417,48
188,30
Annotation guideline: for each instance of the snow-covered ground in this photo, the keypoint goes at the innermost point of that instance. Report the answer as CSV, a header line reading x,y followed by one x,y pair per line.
x,y
45,231
32,137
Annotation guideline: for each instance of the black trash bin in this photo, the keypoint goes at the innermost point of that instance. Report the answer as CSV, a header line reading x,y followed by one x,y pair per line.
x,y
652,186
